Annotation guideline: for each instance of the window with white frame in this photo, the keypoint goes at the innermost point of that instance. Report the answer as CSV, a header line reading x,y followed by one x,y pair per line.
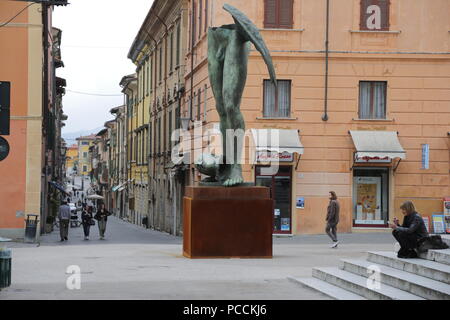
x,y
277,103
372,99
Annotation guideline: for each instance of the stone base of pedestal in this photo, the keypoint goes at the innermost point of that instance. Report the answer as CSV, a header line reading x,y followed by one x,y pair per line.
x,y
222,222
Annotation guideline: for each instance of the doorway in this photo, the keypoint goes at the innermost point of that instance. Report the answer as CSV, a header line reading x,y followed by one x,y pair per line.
x,y
280,185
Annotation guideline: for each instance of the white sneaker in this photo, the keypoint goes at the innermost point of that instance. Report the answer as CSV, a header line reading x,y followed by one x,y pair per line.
x,y
334,245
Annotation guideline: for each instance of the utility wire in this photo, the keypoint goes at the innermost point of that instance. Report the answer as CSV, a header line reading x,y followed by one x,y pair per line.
x,y
95,94
7,22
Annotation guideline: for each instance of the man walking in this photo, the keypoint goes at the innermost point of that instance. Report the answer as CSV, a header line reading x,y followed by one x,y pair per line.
x,y
332,218
64,217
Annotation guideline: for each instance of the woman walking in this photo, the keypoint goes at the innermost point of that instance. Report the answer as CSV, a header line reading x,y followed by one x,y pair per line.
x,y
102,217
86,218
332,218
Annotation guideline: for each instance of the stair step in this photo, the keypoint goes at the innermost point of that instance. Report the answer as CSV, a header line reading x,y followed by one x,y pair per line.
x,y
359,285
425,268
327,289
441,256
412,283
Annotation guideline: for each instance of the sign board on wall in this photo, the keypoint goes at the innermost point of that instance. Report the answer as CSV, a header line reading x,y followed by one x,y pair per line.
x,y
266,156
438,223
4,148
425,156
300,203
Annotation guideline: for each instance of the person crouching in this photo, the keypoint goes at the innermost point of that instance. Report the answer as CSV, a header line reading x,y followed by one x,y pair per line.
x,y
410,232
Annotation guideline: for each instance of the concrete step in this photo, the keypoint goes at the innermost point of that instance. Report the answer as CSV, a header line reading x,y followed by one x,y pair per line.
x,y
409,282
425,268
441,256
361,285
326,288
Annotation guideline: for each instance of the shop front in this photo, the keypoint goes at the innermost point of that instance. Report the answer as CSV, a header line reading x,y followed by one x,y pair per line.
x,y
276,156
377,156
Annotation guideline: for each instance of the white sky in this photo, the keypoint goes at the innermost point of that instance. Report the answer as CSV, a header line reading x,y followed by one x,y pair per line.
x,y
96,38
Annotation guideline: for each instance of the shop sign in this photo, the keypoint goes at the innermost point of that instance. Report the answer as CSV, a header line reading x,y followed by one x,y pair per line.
x,y
4,148
265,156
373,160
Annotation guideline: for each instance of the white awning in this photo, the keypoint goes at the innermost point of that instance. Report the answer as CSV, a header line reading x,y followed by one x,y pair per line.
x,y
278,140
377,144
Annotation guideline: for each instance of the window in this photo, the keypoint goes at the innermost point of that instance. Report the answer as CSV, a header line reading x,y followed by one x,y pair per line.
x,y
148,76
277,104
170,130
278,14
206,15
374,15
143,80
171,52
372,99
205,102
178,44
84,168
150,136
85,155
200,18
160,64
199,104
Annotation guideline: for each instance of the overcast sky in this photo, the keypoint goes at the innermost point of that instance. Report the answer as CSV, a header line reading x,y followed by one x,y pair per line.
x,y
96,38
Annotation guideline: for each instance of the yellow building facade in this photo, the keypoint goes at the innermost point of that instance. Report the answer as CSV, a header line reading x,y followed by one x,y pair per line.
x,y
84,164
71,158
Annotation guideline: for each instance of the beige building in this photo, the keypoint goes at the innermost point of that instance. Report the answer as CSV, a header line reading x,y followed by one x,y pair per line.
x,y
158,52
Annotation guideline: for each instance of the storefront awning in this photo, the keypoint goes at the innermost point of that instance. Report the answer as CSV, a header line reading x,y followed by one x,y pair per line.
x,y
119,187
377,145
57,186
278,140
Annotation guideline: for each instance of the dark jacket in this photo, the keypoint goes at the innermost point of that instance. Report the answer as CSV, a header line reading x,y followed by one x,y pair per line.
x,y
333,212
413,224
86,217
102,215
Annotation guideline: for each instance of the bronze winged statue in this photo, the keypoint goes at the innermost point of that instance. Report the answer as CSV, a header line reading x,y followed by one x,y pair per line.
x,y
227,67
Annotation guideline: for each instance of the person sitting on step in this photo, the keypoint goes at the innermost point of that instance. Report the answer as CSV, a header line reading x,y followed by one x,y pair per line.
x,y
410,232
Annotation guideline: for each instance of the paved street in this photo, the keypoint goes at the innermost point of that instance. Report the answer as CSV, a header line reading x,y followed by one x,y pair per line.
x,y
135,263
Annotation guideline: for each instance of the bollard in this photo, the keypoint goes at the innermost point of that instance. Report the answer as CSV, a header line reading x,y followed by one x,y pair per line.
x,y
31,228
5,267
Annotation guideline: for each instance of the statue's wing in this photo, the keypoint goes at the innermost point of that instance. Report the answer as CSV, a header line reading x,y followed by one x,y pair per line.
x,y
251,33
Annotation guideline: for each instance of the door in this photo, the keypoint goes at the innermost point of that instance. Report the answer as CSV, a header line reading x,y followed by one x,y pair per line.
x,y
280,185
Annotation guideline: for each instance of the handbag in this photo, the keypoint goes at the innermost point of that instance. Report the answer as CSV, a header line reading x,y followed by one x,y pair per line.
x,y
92,222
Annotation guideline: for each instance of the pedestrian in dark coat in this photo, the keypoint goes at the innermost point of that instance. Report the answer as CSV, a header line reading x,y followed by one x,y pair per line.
x,y
410,232
332,218
102,217
86,219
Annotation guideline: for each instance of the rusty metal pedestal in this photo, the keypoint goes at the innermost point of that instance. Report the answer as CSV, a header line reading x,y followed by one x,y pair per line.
x,y
222,222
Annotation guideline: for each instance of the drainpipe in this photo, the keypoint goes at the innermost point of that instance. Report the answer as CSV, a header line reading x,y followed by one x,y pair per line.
x,y
325,114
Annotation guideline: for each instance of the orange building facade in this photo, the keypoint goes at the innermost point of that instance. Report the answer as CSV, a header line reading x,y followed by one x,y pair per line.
x,y
370,100
21,65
